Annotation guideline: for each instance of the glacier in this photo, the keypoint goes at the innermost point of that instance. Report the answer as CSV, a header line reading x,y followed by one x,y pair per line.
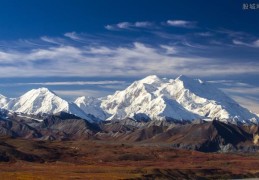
x,y
151,98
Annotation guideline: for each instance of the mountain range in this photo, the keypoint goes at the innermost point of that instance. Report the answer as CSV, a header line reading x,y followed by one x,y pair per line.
x,y
41,101
206,136
181,113
151,98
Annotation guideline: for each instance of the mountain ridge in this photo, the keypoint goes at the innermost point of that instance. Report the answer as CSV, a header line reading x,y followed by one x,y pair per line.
x,y
43,101
150,98
186,99
205,136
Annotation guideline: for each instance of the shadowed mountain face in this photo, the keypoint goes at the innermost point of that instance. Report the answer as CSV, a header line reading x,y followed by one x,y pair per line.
x,y
199,135
202,136
60,126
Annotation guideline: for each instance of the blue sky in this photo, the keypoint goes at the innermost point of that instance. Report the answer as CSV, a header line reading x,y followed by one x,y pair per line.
x,y
85,47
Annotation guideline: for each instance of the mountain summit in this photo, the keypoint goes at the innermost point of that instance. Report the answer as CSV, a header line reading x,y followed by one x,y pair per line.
x,y
151,98
42,101
182,98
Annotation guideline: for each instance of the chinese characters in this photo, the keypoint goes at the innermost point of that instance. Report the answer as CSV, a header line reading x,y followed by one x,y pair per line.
x,y
250,6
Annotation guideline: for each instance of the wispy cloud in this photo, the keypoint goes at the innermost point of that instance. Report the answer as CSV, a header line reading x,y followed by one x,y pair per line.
x,y
100,55
72,35
231,83
80,37
169,49
249,102
243,90
72,83
137,59
72,94
181,23
253,44
245,94
205,34
57,41
129,25
231,33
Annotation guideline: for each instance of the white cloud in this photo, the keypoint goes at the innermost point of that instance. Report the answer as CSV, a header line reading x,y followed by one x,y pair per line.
x,y
249,103
116,86
205,34
169,49
9,56
72,35
52,53
231,83
51,40
243,90
245,94
230,33
129,25
72,94
109,27
73,83
181,23
137,59
101,50
254,44
123,25
143,24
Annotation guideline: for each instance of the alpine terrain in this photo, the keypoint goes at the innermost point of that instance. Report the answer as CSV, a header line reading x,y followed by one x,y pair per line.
x,y
41,101
182,113
183,98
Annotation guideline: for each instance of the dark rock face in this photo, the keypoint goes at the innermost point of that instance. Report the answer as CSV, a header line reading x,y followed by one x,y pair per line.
x,y
207,137
213,136
51,127
200,135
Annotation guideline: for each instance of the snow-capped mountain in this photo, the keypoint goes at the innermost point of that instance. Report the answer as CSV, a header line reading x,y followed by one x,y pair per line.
x,y
142,98
151,98
206,100
181,98
91,105
43,100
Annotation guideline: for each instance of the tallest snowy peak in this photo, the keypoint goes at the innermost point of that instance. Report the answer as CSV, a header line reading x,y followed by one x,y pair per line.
x,y
150,79
182,98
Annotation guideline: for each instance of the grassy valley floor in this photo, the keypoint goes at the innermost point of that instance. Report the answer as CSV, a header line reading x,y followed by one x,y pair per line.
x,y
27,159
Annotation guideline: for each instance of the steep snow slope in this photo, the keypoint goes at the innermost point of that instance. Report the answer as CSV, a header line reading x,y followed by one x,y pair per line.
x,y
141,98
43,100
182,99
91,105
152,98
206,100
